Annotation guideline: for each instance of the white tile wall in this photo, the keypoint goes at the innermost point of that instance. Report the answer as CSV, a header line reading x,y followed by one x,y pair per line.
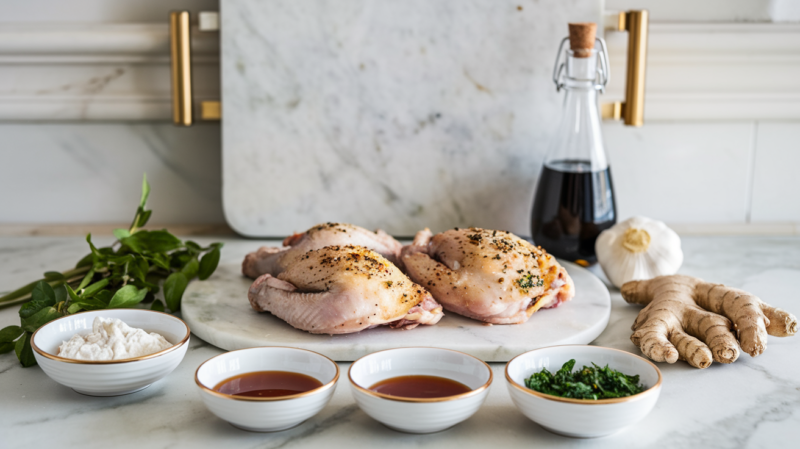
x,y
91,173
681,172
776,182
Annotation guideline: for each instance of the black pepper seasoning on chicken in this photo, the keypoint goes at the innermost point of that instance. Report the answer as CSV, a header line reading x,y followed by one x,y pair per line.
x,y
509,278
274,260
344,289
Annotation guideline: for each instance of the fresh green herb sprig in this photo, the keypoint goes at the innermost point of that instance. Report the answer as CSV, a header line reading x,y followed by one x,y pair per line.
x,y
591,382
529,281
125,274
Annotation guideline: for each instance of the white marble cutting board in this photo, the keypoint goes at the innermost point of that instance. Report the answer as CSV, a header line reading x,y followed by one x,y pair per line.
x,y
392,114
217,310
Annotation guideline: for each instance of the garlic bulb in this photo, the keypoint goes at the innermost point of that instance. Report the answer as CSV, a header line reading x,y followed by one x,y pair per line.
x,y
638,248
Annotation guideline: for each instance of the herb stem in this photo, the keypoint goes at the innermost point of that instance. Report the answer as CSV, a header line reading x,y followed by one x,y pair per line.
x,y
24,293
19,300
27,297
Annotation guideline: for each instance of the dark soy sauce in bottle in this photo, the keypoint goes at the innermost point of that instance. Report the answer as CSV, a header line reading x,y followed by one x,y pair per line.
x,y
572,206
574,198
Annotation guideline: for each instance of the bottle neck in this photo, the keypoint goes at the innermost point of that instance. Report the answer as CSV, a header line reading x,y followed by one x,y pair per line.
x,y
579,143
582,69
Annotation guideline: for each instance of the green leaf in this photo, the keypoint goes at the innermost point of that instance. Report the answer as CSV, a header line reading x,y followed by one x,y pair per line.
x,y
24,351
94,288
159,260
104,296
155,279
7,347
38,319
152,241
99,301
193,246
120,233
151,288
42,291
144,216
95,252
145,191
138,268
53,276
107,251
85,261
61,293
10,333
90,304
127,296
121,259
174,287
42,296
177,259
208,264
191,268
74,308
143,266
86,280
157,306
72,295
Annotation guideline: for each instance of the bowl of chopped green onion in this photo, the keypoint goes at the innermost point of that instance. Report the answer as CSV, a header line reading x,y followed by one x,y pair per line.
x,y
583,391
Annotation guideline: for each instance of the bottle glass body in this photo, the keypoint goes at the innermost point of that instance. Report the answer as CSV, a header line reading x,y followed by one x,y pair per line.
x,y
574,198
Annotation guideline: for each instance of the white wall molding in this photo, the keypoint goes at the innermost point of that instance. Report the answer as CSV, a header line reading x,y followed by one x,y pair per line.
x,y
742,71
715,72
53,72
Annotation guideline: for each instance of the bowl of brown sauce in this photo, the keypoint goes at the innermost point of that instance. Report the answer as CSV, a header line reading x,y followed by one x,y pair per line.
x,y
420,390
267,389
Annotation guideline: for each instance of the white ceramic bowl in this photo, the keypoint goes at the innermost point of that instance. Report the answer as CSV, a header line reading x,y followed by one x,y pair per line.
x,y
266,414
115,377
578,417
419,415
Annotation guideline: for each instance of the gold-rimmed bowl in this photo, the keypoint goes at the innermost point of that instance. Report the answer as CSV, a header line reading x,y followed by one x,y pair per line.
x,y
114,377
582,418
267,414
414,415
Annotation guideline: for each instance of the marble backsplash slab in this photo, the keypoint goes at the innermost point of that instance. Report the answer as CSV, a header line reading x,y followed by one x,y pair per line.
x,y
398,115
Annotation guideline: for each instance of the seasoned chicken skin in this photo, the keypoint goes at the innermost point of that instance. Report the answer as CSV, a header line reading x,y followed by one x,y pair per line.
x,y
492,276
344,289
273,259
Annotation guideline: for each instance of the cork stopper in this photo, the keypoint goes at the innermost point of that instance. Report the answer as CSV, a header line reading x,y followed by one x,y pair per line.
x,y
581,38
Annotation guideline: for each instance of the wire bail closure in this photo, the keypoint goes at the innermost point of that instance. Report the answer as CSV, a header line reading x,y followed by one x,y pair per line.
x,y
602,74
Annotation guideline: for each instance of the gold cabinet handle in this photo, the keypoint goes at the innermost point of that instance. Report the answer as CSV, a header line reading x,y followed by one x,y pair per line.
x,y
632,109
181,58
181,55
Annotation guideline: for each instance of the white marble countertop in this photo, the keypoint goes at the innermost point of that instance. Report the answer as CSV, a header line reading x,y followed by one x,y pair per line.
x,y
753,403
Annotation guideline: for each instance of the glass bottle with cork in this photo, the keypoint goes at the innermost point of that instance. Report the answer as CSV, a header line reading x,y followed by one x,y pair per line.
x,y
574,198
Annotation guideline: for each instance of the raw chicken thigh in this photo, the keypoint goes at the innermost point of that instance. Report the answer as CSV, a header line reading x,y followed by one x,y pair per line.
x,y
274,260
344,289
492,276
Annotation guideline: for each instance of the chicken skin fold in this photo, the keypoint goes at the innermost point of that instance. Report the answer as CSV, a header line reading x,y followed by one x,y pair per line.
x,y
274,260
341,290
491,276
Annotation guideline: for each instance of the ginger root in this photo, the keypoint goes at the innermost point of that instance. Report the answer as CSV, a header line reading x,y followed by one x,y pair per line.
x,y
686,318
